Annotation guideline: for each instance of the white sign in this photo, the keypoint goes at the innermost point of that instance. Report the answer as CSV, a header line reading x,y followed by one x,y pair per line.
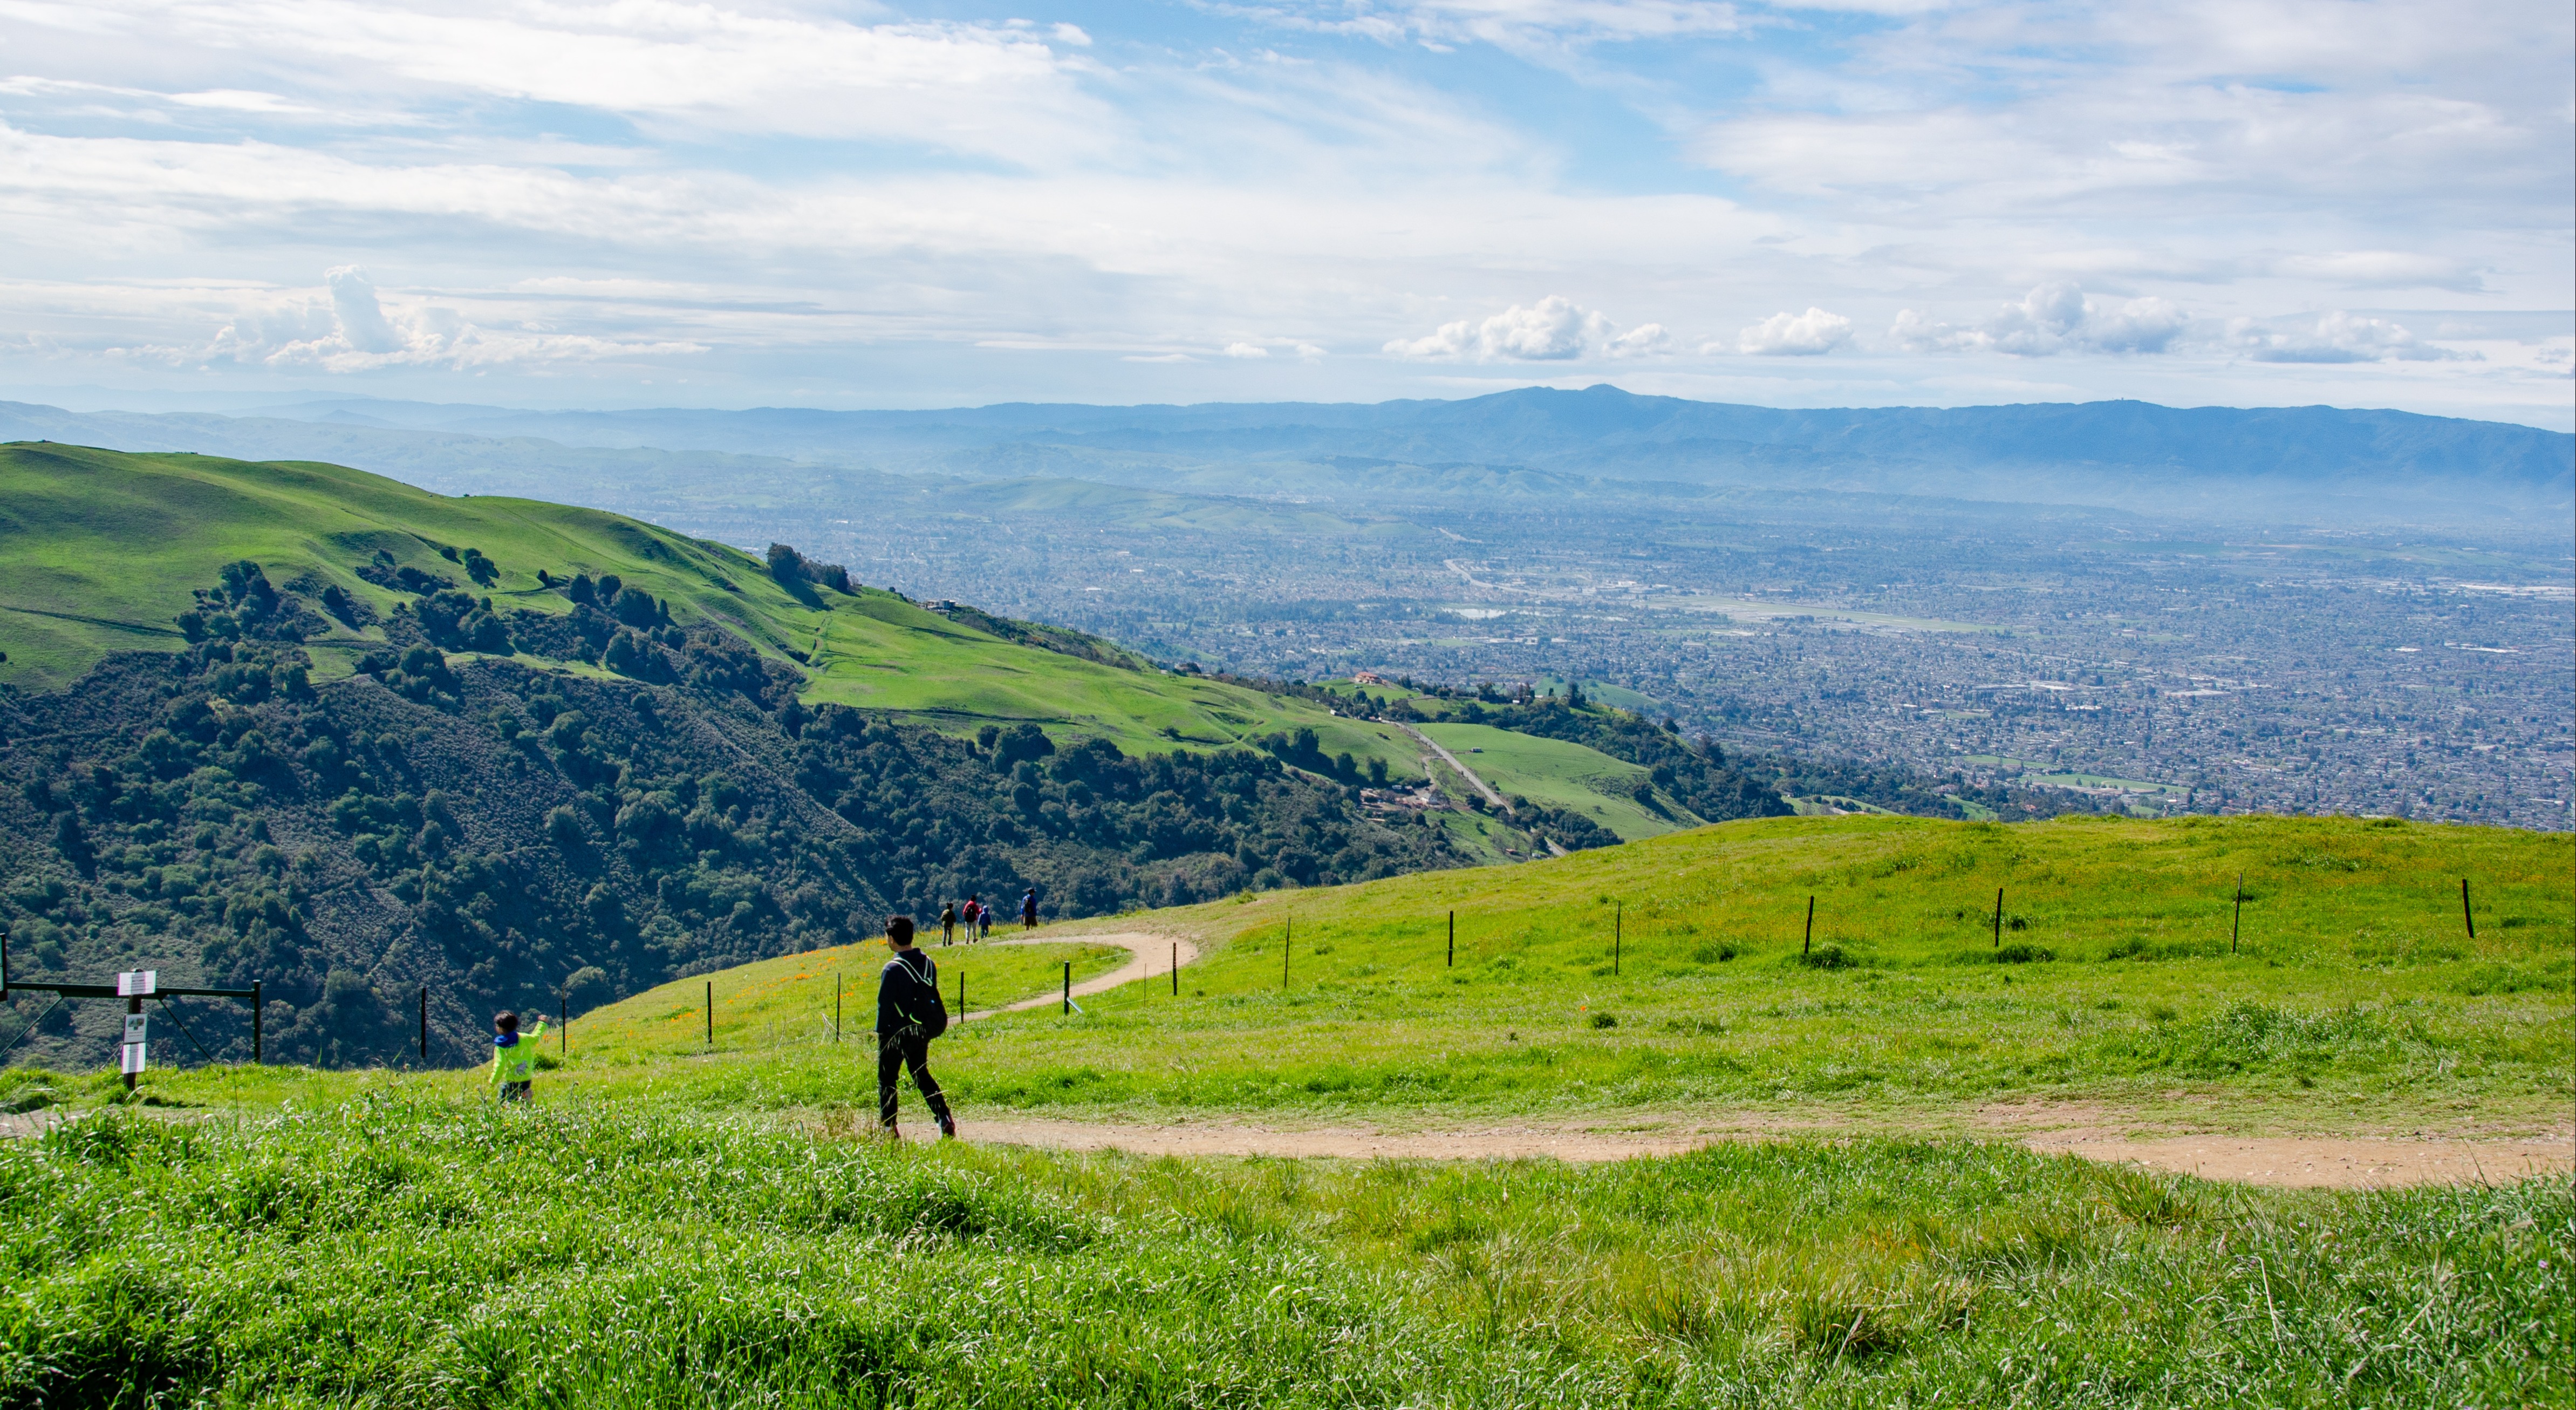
x,y
131,1061
137,981
136,1025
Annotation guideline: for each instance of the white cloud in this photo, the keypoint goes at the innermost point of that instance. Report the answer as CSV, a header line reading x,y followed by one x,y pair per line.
x,y
1246,350
2338,337
2053,318
1555,329
1795,335
348,329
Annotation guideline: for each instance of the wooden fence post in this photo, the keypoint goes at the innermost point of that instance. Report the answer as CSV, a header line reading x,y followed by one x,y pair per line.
x,y
1809,944
2466,915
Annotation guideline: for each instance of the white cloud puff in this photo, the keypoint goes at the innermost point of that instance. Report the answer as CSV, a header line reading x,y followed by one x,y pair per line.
x,y
2053,318
1555,329
351,330
2338,337
1246,350
1808,334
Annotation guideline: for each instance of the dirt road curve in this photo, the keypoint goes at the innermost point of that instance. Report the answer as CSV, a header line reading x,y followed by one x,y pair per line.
x,y
2288,1161
1148,956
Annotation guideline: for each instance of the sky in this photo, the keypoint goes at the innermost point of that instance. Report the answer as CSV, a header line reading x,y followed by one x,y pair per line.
x,y
736,203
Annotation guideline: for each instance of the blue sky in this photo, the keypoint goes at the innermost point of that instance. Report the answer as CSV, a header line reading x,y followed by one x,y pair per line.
x,y
724,203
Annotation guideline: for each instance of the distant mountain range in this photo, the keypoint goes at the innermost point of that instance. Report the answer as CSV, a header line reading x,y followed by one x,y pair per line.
x,y
2284,463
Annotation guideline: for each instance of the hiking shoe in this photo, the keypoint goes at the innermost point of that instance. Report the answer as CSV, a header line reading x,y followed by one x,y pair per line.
x,y
889,1133
947,1128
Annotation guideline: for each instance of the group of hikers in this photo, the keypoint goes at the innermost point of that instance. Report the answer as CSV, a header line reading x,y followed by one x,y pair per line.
x,y
978,918
910,1012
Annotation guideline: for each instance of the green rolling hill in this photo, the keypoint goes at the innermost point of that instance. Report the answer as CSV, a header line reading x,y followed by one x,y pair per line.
x,y
100,552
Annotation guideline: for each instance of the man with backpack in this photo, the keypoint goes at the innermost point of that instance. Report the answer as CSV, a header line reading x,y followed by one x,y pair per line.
x,y
1029,910
909,1014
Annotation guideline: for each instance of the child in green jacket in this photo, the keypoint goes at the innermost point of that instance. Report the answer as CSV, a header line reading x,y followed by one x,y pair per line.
x,y
514,1056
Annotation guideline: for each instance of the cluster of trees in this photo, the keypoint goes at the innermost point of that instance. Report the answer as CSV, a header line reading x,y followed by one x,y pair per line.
x,y
794,571
1304,749
245,606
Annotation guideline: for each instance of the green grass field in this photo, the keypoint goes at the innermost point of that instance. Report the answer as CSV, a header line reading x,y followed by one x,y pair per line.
x,y
1559,774
682,1227
99,551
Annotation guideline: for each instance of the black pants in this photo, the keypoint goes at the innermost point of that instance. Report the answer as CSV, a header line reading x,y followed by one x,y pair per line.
x,y
895,1052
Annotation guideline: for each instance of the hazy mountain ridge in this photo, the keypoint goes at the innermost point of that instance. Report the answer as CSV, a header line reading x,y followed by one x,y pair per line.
x,y
2292,463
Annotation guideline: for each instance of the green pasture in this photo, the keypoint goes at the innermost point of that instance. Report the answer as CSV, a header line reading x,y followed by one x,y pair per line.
x,y
1559,774
99,551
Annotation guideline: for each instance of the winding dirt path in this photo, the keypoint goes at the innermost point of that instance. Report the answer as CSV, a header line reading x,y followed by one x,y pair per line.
x,y
1148,956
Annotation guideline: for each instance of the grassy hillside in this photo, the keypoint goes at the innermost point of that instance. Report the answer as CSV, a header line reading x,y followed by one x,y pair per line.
x,y
1557,773
100,551
2354,999
2354,992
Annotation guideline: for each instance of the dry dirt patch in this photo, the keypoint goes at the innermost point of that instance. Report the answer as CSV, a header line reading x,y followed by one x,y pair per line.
x,y
2342,1162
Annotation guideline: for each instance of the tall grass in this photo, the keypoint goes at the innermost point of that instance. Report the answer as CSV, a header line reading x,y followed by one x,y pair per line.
x,y
404,1250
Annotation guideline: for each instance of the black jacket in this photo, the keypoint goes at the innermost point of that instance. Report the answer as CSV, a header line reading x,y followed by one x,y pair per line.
x,y
906,991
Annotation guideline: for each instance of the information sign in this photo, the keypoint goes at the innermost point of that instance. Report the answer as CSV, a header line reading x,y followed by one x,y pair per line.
x,y
135,982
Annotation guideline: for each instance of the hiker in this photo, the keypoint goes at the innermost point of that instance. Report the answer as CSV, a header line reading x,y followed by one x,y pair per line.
x,y
514,1058
948,923
974,912
909,1015
984,924
1029,910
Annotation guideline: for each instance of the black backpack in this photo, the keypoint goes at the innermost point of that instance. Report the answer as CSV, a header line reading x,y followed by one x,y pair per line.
x,y
935,1022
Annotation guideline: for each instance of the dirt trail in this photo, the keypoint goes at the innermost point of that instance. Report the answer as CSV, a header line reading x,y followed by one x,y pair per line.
x,y
1147,957
1463,771
2334,1162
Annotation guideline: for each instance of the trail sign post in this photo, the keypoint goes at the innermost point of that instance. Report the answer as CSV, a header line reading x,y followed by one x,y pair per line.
x,y
132,986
